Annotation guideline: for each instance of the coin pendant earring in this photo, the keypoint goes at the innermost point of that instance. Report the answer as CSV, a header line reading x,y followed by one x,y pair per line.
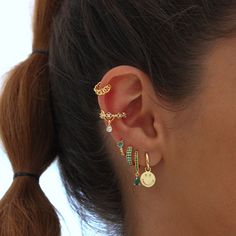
x,y
147,178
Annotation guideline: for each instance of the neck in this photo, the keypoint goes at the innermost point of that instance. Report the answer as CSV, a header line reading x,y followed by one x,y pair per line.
x,y
149,211
170,207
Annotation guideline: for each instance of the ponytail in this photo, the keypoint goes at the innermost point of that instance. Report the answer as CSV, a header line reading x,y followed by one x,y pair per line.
x,y
27,133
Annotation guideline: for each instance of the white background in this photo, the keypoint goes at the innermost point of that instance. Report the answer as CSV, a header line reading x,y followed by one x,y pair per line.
x,y
15,46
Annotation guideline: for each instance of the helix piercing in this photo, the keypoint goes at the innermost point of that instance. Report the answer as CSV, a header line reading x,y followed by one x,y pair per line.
x,y
109,117
101,91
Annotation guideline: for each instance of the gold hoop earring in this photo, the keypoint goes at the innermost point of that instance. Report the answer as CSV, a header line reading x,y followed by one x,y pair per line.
x,y
101,91
109,117
147,178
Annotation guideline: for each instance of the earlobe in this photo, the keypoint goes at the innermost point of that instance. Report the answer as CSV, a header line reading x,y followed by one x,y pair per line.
x,y
127,95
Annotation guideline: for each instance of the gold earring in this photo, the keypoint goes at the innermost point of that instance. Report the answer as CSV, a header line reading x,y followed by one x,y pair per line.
x,y
110,117
129,155
147,178
136,163
101,91
120,145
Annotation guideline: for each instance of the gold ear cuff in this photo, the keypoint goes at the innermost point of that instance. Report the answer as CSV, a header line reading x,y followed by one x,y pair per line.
x,y
109,117
101,91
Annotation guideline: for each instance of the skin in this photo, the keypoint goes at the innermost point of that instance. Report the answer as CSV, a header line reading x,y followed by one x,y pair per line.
x,y
192,151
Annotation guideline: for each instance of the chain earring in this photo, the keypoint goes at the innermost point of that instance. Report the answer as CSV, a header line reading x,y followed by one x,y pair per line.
x,y
108,117
136,163
147,178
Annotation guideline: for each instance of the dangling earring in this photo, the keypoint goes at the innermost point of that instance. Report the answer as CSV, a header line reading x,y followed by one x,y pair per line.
x,y
147,178
129,155
120,145
110,117
137,177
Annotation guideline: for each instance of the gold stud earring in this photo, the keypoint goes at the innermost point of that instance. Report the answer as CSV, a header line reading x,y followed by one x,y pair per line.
x,y
101,91
147,178
109,117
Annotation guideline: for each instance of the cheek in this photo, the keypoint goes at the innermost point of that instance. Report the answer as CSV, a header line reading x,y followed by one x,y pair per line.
x,y
201,163
214,146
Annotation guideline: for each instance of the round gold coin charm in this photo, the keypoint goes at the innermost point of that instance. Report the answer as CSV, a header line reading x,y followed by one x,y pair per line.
x,y
147,178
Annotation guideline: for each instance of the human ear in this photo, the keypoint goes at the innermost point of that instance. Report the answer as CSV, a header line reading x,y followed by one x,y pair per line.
x,y
132,92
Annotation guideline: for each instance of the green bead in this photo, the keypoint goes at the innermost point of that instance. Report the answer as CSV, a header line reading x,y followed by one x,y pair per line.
x,y
120,144
129,155
137,181
136,160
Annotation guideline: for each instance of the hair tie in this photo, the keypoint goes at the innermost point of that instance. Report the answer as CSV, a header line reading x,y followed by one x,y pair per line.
x,y
20,174
40,51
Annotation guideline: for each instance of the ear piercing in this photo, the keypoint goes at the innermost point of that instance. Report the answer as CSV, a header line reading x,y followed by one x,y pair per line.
x,y
129,155
101,91
136,163
147,178
120,145
108,117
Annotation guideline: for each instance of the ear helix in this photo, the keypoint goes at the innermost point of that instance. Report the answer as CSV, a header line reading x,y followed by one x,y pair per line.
x,y
147,178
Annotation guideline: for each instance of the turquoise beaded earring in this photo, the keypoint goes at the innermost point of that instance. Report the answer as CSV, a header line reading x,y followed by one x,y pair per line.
x,y
120,145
